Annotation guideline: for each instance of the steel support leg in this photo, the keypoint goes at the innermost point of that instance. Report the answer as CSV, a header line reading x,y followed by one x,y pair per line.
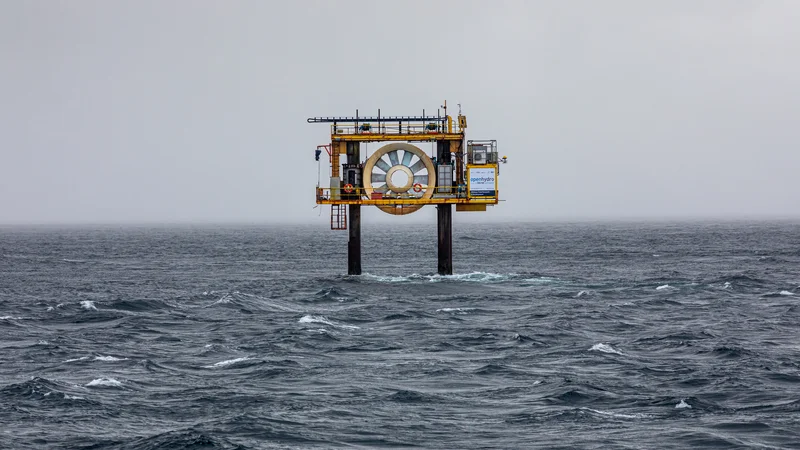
x,y
445,224
354,241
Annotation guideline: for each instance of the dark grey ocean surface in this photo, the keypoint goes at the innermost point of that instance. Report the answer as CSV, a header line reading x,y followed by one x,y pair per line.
x,y
605,335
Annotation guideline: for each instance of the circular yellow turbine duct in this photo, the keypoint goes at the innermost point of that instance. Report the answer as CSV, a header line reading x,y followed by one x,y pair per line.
x,y
385,162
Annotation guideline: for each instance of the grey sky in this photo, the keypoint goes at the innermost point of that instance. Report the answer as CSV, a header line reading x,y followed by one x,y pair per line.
x,y
182,111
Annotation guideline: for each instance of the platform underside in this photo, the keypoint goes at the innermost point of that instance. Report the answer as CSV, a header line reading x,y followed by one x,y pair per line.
x,y
408,201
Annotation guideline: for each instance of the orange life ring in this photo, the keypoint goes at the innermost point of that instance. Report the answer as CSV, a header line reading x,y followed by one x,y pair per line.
x,y
417,187
348,188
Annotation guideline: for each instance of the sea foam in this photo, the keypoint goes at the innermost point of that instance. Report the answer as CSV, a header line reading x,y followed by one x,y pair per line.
x,y
479,277
104,382
391,279
82,358
474,277
108,358
618,415
324,320
455,310
228,362
605,348
541,280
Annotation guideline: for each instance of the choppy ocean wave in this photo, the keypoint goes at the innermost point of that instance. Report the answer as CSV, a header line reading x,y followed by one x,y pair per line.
x,y
104,382
547,336
605,348
474,277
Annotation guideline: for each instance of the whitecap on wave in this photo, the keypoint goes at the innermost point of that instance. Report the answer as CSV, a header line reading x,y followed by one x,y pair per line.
x,y
604,348
223,300
228,362
683,405
617,415
581,294
324,320
88,304
10,318
455,310
82,358
783,293
663,286
109,358
104,382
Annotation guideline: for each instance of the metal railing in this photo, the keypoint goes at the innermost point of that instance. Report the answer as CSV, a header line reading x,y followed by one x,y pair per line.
x,y
398,128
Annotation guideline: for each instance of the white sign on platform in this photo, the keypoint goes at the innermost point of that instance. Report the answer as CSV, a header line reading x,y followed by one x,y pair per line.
x,y
482,182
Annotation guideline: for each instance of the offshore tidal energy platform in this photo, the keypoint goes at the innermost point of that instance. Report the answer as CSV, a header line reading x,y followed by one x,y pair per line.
x,y
400,178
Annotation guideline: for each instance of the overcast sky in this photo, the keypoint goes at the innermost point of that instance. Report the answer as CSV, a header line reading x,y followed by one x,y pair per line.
x,y
195,111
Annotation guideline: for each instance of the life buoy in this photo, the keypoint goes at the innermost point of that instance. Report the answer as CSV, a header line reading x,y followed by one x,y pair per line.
x,y
348,188
417,187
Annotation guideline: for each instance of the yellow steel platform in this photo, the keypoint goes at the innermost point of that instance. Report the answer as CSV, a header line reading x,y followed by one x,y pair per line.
x,y
361,185
405,201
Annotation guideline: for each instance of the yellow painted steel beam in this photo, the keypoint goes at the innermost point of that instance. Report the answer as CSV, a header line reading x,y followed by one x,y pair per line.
x,y
470,207
415,137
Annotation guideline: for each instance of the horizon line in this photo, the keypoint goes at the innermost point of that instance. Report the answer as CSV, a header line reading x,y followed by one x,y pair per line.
x,y
527,220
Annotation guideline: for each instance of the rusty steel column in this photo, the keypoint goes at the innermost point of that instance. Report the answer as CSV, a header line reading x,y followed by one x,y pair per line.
x,y
354,227
444,215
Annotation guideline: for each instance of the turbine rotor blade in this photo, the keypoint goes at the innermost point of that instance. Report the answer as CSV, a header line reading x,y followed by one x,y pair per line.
x,y
419,165
393,157
381,164
407,158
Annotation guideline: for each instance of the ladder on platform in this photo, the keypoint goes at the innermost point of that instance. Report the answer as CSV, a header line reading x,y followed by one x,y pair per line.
x,y
338,217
